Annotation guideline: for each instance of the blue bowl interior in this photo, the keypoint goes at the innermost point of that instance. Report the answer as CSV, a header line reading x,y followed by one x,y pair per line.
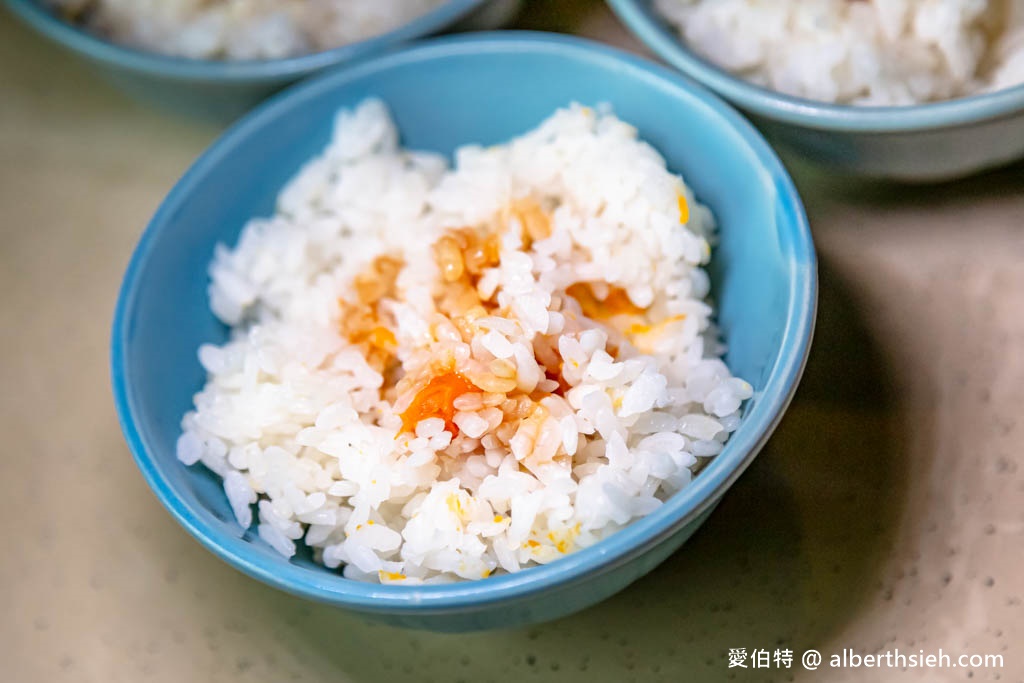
x,y
443,94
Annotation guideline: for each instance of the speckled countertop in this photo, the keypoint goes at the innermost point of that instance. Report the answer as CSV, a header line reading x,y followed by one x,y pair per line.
x,y
888,510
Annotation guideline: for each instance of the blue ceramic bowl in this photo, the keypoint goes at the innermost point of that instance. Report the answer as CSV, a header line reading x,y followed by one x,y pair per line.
x,y
222,90
927,142
483,88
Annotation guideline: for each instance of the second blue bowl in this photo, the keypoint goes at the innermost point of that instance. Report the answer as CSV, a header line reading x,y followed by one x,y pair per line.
x,y
480,89
921,143
222,90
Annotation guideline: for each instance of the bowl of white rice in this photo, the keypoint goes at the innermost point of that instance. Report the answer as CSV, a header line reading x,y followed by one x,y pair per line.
x,y
470,335
916,90
218,59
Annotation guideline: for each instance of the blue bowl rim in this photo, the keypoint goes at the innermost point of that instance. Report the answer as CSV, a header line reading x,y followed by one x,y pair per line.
x,y
119,56
806,113
621,547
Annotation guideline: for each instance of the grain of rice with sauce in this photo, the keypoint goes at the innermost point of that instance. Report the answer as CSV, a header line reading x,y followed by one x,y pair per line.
x,y
441,373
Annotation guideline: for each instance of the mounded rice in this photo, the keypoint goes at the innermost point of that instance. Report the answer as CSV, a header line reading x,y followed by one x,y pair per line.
x,y
441,373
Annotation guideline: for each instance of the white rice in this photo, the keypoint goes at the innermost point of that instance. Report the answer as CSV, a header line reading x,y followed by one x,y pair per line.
x,y
865,52
241,29
568,427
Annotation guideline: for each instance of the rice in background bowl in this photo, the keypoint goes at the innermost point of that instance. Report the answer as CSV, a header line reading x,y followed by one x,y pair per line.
x,y
240,29
863,52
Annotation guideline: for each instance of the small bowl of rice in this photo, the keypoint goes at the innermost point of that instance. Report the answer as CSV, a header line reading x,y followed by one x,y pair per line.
x,y
471,335
914,91
217,59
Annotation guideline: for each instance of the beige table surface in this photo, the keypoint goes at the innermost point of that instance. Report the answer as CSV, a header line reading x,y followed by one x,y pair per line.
x,y
888,510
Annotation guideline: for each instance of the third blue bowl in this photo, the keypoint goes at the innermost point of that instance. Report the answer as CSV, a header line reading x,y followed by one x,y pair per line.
x,y
221,90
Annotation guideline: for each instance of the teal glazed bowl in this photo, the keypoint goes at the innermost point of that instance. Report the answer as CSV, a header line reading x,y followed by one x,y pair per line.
x,y
222,90
922,143
482,88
